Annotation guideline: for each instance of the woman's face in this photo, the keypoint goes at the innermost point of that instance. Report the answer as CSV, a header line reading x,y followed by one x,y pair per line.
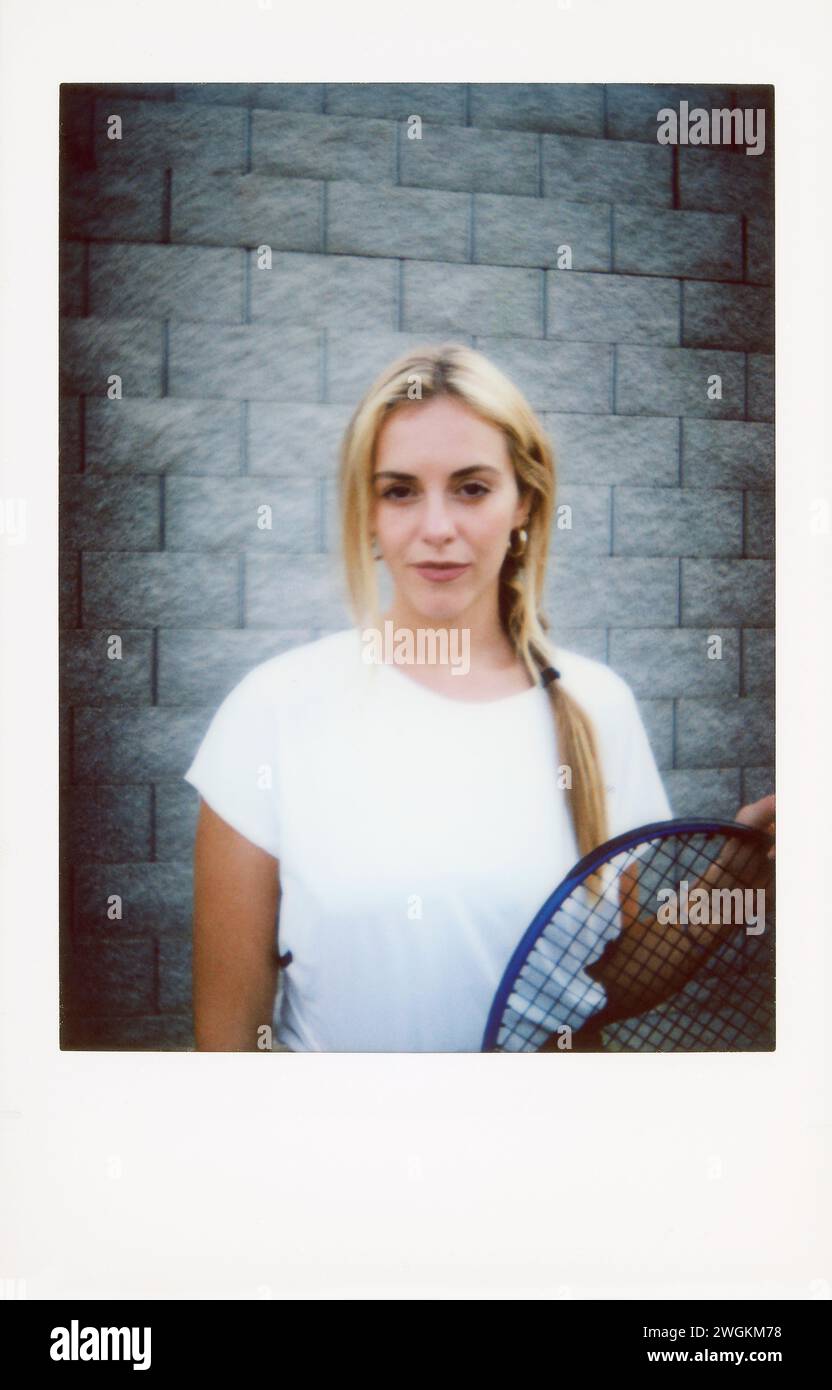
x,y
445,503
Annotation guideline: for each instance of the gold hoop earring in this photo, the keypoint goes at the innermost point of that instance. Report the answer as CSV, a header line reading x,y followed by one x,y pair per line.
x,y
512,551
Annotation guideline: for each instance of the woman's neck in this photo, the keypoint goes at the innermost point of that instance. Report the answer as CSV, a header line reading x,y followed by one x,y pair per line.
x,y
490,667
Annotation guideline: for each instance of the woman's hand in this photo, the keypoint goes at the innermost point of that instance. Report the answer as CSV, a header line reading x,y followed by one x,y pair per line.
x,y
761,814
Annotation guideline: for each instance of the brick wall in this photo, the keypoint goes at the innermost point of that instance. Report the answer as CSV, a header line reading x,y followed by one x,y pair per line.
x,y
237,382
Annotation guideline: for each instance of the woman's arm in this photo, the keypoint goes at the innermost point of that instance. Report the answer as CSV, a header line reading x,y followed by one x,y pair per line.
x,y
236,895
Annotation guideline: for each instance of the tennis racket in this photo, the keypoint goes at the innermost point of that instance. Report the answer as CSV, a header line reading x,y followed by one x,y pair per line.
x,y
658,940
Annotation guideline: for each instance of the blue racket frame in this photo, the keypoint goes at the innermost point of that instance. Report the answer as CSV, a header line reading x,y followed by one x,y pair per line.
x,y
662,829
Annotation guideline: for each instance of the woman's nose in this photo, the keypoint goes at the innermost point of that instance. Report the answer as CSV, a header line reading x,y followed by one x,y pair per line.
x,y
436,521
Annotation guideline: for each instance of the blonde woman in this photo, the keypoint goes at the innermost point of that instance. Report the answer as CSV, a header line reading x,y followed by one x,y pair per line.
x,y
401,820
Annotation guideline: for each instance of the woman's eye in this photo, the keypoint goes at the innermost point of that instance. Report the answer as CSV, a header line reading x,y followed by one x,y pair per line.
x,y
398,491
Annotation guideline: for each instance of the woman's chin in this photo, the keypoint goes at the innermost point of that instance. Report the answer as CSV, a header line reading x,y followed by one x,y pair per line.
x,y
439,606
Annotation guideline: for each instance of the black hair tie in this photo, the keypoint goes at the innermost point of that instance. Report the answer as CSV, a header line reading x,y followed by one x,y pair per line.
x,y
549,674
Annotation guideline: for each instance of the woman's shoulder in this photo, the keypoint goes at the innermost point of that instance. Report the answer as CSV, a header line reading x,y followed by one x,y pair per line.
x,y
300,671
594,684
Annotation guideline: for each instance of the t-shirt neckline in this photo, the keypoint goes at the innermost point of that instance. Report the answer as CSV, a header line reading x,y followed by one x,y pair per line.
x,y
405,682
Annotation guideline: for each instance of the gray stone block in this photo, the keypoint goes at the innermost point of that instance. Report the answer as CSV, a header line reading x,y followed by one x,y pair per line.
x,y
340,292
140,1033
374,220
307,146
296,593
727,453
759,524
135,91
758,653
614,449
175,974
246,210
98,205
118,745
531,231
75,129
760,387
573,107
555,376
675,661
612,308
331,517
728,316
354,360
695,245
586,641
177,806
632,107
110,977
162,436
717,733
151,590
583,529
155,898
439,102
276,96
210,514
167,135
471,160
69,435
757,782
728,592
200,666
438,297
675,381
677,521
69,601
288,440
94,669
72,275
92,350
657,717
109,513
726,180
156,282
590,591
106,823
609,171
246,362
710,792
760,249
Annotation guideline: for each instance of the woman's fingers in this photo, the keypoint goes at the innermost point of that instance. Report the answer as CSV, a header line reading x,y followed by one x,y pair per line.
x,y
760,814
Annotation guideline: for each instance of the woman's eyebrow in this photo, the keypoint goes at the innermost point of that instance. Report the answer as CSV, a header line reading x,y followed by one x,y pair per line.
x,y
457,473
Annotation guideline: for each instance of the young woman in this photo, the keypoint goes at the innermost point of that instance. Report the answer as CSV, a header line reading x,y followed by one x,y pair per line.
x,y
402,820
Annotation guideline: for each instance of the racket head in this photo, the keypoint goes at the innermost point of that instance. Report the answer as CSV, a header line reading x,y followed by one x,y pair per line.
x,y
548,985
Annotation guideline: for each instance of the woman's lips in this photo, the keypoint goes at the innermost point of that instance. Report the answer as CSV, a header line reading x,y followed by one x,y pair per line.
x,y
440,574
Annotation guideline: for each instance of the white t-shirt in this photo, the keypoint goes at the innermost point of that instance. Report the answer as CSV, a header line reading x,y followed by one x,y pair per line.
x,y
418,834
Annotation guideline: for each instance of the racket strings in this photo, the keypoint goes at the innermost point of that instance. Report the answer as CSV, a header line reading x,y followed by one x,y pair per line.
x,y
729,1006
674,983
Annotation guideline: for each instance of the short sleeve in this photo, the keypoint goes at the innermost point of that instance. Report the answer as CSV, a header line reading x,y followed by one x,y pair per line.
x,y
235,768
637,794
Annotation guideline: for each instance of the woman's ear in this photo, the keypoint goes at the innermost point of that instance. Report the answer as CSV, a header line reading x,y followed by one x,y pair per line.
x,y
522,513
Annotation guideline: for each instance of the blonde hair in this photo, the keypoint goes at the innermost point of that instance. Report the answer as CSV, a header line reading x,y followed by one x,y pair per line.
x,y
452,369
